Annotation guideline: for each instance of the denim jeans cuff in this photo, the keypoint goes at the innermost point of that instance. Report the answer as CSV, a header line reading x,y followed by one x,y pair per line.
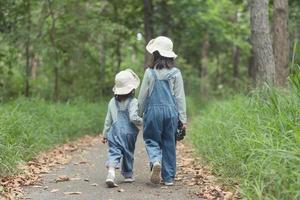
x,y
127,174
112,164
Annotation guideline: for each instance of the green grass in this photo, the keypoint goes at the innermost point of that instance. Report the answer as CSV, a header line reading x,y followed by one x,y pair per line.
x,y
30,126
254,141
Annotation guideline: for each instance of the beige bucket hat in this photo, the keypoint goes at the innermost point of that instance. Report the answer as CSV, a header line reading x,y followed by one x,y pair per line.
x,y
125,82
163,45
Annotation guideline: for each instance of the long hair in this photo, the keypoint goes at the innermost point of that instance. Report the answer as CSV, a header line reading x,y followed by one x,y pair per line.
x,y
124,96
160,62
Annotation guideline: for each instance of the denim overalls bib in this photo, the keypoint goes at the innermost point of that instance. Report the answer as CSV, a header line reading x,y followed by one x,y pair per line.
x,y
160,124
121,141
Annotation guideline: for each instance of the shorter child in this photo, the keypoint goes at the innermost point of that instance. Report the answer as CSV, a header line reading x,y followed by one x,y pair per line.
x,y
120,127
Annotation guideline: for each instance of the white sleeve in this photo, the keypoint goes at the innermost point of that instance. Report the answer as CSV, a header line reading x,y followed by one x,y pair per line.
x,y
144,91
180,97
108,121
133,113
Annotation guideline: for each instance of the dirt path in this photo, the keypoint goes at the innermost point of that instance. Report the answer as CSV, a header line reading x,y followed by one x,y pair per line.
x,y
87,175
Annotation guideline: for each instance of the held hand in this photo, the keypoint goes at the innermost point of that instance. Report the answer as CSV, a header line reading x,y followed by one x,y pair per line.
x,y
104,140
184,126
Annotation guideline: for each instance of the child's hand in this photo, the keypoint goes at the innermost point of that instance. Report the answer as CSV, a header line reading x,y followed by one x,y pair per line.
x,y
184,126
104,140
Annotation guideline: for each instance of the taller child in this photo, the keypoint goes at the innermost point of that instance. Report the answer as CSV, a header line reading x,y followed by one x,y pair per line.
x,y
162,103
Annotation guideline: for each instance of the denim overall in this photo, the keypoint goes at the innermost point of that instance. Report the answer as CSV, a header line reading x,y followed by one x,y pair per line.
x,y
121,142
160,124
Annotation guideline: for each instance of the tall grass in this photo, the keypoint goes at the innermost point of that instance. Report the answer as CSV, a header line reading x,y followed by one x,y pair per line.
x,y
255,141
30,126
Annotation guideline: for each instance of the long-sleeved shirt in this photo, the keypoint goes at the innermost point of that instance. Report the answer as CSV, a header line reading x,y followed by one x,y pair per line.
x,y
112,114
177,89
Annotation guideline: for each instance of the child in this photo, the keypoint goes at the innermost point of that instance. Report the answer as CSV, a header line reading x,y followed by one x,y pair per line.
x,y
120,127
162,103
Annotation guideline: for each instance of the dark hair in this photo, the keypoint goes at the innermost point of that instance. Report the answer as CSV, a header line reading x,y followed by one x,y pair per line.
x,y
160,62
123,97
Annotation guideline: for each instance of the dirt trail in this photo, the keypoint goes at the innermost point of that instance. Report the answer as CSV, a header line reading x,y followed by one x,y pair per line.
x,y
77,171
87,175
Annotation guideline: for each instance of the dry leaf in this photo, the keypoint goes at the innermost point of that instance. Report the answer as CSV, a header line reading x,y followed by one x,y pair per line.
x,y
121,190
83,162
62,178
72,193
75,179
54,190
94,184
37,186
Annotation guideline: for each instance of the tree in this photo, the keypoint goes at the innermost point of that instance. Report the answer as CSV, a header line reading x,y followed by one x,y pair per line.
x,y
52,37
148,27
27,47
261,42
281,41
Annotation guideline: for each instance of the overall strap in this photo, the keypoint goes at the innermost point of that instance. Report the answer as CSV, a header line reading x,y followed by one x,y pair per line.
x,y
117,104
153,74
128,104
171,74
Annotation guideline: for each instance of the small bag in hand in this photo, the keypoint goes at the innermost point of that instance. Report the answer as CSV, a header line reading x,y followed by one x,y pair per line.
x,y
180,132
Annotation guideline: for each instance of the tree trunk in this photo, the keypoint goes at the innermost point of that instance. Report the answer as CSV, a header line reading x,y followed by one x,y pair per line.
x,y
118,54
235,63
102,61
53,43
27,49
204,56
252,71
261,42
118,42
281,41
34,65
148,28
204,65
166,18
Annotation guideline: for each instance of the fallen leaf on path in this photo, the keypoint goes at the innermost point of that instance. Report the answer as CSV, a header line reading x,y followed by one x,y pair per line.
x,y
83,162
94,184
121,190
37,186
62,178
87,180
191,184
75,179
54,190
72,193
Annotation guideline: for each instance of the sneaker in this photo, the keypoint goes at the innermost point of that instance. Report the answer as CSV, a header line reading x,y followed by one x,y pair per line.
x,y
168,183
110,180
129,180
155,173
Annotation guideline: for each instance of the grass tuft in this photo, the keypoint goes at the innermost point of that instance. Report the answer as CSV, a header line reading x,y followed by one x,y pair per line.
x,y
254,140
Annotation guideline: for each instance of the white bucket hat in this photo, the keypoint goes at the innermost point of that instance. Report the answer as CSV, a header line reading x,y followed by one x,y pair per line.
x,y
163,45
125,82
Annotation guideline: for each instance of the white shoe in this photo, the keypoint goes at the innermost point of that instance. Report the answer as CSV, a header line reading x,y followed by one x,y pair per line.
x,y
110,180
155,173
168,183
129,180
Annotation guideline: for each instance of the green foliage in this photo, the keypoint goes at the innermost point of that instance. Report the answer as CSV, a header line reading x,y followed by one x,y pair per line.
x,y
28,126
254,141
